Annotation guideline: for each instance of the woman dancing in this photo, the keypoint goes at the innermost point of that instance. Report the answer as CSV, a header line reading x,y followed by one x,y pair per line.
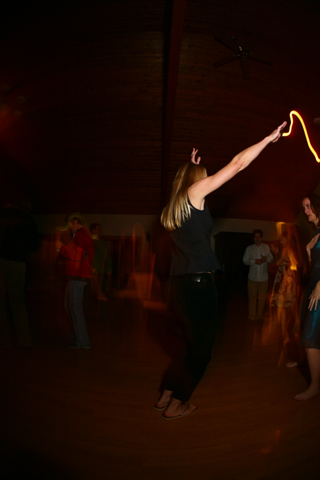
x,y
310,314
194,297
284,292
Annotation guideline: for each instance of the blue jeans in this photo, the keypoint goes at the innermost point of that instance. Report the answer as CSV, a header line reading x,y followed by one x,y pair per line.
x,y
74,307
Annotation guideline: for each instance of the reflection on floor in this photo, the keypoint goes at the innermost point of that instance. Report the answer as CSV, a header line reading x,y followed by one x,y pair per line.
x,y
70,414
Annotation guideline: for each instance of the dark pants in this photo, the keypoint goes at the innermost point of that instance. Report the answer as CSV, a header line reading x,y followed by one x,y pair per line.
x,y
12,285
196,306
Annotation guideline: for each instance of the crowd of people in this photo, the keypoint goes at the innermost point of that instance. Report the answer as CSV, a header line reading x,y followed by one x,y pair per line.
x,y
193,295
285,304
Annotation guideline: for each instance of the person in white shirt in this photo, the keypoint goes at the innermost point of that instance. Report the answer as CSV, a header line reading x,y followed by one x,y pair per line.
x,y
257,256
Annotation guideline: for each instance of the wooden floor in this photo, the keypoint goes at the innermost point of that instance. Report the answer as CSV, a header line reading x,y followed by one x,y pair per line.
x,y
89,415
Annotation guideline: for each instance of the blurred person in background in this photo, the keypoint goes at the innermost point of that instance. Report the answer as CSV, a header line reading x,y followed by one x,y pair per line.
x,y
79,254
18,237
257,256
284,292
101,264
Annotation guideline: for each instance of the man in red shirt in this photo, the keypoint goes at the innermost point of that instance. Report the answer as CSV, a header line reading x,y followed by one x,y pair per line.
x,y
79,254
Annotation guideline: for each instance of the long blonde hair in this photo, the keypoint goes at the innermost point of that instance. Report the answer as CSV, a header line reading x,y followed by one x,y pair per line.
x,y
178,209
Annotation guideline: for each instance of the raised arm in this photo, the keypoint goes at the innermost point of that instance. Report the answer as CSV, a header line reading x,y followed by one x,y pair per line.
x,y
198,191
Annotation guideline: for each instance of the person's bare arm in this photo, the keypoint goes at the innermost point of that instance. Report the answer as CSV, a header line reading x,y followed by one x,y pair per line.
x,y
199,190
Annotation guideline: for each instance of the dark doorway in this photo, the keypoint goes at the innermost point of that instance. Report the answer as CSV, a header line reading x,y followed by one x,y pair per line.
x,y
229,248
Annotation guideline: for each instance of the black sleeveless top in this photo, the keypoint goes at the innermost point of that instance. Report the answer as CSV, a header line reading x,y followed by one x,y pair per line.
x,y
192,250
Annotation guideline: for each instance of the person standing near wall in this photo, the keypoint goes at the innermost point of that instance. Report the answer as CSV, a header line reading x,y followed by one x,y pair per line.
x,y
257,256
79,254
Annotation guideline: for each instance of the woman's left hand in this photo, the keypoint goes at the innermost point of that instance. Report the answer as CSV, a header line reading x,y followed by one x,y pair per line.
x,y
314,297
193,157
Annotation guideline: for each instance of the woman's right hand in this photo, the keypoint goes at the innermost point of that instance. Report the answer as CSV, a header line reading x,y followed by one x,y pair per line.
x,y
193,157
311,244
276,134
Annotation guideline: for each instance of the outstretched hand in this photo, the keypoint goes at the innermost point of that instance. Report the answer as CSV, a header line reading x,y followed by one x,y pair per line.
x,y
276,134
193,157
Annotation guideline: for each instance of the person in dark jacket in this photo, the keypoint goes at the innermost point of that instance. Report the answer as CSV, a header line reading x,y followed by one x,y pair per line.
x,y
18,237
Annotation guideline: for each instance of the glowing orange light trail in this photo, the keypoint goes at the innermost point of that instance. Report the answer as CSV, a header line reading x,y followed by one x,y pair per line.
x,y
293,112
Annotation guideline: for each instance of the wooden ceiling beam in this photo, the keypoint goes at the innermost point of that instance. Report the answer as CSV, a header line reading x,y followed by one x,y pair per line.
x,y
170,88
